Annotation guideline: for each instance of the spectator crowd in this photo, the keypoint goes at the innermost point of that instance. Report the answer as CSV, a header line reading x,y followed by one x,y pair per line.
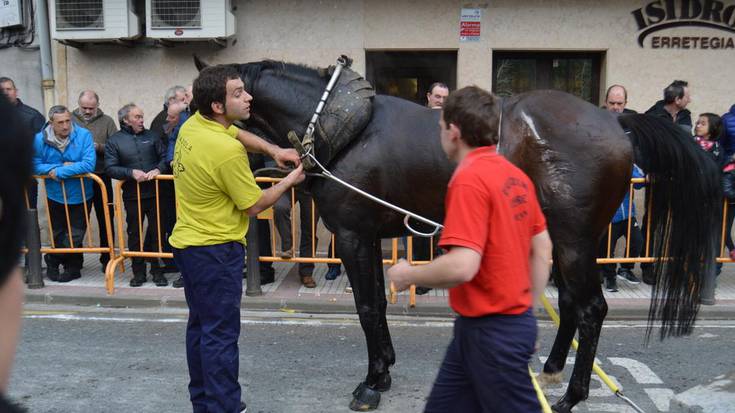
x,y
70,142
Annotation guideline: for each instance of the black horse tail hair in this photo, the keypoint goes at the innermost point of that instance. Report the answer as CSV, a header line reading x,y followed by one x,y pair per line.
x,y
685,201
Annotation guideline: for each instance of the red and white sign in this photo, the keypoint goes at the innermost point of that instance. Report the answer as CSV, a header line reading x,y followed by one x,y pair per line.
x,y
470,22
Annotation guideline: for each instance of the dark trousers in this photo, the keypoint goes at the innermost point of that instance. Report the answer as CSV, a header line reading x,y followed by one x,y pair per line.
x,y
60,229
32,191
99,212
728,226
167,202
283,224
150,242
644,228
619,230
486,367
213,288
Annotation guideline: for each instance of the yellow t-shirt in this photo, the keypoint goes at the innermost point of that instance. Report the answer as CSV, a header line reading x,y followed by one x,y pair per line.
x,y
214,185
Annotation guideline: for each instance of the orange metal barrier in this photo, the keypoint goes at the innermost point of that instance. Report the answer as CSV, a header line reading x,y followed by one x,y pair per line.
x,y
124,252
331,257
73,249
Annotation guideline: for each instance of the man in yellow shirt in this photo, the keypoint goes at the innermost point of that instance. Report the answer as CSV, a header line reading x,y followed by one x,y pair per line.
x,y
216,193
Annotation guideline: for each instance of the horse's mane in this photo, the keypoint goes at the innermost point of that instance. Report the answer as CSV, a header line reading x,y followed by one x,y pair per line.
x,y
252,71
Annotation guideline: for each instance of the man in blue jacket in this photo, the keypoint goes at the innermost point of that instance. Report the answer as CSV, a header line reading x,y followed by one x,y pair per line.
x,y
61,151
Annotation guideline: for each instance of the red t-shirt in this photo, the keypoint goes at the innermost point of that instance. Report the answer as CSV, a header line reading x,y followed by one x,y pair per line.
x,y
491,207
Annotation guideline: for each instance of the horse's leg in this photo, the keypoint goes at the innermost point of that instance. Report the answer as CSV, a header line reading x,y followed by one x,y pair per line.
x,y
567,326
591,309
386,352
358,255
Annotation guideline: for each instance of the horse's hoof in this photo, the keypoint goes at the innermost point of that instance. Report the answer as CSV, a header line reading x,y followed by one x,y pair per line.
x,y
383,385
365,399
546,379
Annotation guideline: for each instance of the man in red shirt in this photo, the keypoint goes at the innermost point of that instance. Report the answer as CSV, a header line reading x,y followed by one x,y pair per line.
x,y
497,263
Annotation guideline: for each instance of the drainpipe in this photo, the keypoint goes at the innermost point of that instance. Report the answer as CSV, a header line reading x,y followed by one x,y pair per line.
x,y
47,68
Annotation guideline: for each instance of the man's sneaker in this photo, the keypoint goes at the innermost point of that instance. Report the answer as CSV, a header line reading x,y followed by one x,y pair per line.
x,y
178,283
267,278
52,272
308,281
333,272
627,275
243,407
138,280
69,275
160,280
422,290
611,285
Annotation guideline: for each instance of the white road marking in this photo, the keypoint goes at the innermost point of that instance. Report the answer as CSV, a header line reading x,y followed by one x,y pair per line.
x,y
661,398
707,335
640,372
570,360
610,407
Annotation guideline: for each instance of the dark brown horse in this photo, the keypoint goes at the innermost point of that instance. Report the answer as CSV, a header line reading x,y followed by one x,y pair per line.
x,y
578,156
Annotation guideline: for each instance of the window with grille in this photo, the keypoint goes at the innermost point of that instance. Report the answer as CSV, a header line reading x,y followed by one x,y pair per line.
x,y
79,14
577,73
175,13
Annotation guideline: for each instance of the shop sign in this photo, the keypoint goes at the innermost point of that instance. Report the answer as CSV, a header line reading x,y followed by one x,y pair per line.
x,y
661,15
469,25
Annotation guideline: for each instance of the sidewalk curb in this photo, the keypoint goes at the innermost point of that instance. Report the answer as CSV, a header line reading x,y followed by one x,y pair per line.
x,y
618,309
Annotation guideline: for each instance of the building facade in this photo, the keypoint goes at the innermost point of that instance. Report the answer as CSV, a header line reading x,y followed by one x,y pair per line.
x,y
402,46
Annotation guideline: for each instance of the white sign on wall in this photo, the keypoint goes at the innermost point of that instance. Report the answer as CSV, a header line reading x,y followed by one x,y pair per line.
x,y
470,21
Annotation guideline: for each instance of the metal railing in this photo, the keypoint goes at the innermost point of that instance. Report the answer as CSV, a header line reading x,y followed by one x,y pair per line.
x,y
390,256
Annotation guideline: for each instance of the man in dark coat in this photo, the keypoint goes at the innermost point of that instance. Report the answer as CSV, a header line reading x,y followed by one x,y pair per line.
x,y
89,116
29,118
673,106
136,155
616,100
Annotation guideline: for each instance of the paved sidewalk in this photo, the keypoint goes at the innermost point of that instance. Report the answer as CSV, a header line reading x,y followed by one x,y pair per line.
x,y
287,294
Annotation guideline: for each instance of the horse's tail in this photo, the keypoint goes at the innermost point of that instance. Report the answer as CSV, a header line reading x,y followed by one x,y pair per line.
x,y
684,198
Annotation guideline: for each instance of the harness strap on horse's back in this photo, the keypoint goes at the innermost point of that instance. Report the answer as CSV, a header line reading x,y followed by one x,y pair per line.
x,y
306,145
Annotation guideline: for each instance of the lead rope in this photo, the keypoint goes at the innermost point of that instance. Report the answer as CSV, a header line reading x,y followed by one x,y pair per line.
x,y
408,214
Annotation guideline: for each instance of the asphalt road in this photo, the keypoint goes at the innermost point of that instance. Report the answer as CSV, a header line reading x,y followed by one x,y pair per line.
x,y
102,360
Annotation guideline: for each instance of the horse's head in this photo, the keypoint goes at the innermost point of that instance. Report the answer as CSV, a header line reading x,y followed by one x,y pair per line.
x,y
284,96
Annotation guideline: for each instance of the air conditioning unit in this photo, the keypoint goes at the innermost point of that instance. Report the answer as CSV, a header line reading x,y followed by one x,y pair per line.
x,y
93,20
189,20
11,13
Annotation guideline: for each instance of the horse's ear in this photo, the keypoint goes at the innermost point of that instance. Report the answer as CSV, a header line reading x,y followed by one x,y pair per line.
x,y
199,63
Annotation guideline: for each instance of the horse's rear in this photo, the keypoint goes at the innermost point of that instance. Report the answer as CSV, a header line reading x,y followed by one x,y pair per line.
x,y
580,160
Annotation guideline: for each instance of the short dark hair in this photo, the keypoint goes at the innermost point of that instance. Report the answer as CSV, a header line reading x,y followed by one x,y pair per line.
x,y
675,91
475,112
625,92
715,125
435,84
7,79
211,86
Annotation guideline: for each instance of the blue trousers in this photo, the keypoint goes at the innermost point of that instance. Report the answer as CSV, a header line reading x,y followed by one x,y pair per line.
x,y
213,288
486,367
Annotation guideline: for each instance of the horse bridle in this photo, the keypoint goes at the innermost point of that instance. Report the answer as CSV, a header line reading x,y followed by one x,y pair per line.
x,y
305,148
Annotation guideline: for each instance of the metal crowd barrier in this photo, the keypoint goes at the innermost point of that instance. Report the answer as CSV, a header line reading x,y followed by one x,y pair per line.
x,y
33,241
121,232
390,257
